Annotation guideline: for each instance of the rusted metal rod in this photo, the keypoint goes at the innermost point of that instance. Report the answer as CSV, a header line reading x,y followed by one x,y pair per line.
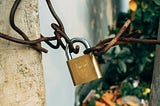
x,y
59,32
33,42
122,40
117,36
55,15
18,30
11,20
102,42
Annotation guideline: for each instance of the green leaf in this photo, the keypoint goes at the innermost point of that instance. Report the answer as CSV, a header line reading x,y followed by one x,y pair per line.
x,y
122,66
91,103
144,5
141,67
157,2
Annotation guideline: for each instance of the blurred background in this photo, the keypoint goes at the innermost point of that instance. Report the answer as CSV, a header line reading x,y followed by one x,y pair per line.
x,y
125,68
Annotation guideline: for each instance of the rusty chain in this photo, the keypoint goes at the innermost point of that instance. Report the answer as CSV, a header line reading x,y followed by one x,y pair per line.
x,y
60,34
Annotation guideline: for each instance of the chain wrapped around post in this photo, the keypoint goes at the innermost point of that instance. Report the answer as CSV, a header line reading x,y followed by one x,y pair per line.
x,y
60,34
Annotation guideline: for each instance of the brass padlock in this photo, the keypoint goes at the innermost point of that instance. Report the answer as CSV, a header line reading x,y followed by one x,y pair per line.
x,y
85,68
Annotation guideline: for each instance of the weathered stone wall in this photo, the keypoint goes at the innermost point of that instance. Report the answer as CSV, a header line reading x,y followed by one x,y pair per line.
x,y
21,71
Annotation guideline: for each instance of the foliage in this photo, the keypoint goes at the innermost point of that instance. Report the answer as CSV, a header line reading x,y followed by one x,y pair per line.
x,y
139,91
134,60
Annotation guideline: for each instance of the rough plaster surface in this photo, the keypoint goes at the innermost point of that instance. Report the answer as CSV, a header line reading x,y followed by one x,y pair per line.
x,y
155,86
21,71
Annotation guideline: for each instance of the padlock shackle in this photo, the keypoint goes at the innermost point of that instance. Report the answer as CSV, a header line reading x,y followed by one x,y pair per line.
x,y
81,40
75,40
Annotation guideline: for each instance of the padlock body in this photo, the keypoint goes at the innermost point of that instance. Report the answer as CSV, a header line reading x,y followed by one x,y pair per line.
x,y
84,69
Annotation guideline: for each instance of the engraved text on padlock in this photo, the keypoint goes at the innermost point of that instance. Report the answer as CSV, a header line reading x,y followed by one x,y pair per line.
x,y
85,68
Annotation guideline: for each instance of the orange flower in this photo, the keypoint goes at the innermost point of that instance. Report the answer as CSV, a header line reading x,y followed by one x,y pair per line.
x,y
132,5
97,103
